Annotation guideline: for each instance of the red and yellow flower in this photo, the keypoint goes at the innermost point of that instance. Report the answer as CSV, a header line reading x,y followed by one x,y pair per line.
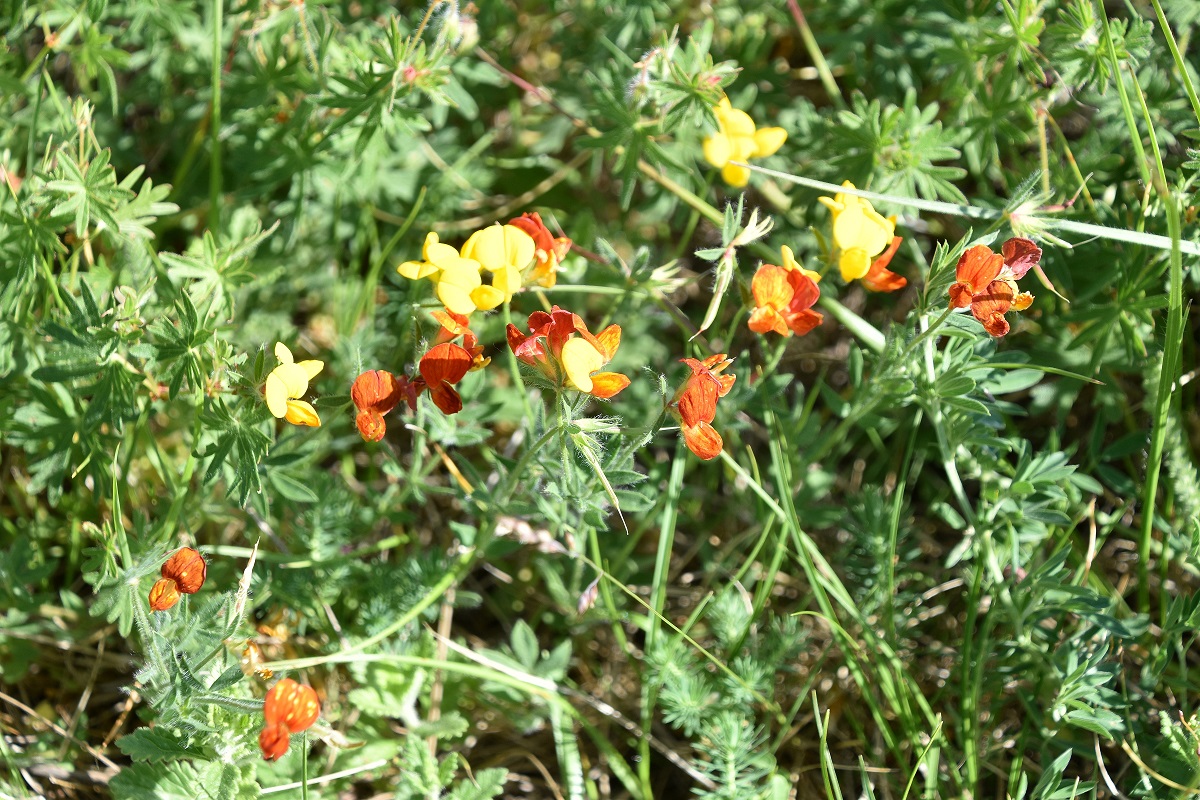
x,y
783,297
182,573
288,708
860,233
562,349
986,282
375,393
881,279
695,404
287,383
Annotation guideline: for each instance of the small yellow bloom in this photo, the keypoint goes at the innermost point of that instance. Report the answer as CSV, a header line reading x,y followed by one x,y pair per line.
x,y
287,383
737,139
859,232
456,279
505,251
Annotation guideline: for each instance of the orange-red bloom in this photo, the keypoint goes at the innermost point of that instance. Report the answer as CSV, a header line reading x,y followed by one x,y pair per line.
x,y
375,393
441,368
783,299
881,279
550,250
696,404
987,282
289,707
561,348
182,573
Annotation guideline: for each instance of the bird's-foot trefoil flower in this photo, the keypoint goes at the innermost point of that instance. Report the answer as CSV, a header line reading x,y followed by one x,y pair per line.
x,y
562,349
441,368
695,404
860,233
986,282
549,253
737,139
182,573
375,393
456,279
881,279
287,383
505,251
783,298
288,708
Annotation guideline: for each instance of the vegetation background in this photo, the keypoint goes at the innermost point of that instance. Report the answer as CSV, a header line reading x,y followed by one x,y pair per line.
x,y
929,563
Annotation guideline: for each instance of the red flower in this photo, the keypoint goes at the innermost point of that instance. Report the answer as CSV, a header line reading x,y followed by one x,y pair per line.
x,y
375,393
987,282
696,404
881,279
561,348
782,299
441,368
183,573
289,707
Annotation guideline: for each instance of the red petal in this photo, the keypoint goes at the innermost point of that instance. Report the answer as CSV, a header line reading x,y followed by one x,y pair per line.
x,y
698,401
804,321
978,267
1021,255
703,440
446,362
371,425
446,398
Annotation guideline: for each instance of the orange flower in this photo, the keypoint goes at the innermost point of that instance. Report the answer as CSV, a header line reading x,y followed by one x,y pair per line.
x,y
987,282
782,299
441,368
455,325
375,393
881,279
696,404
562,349
550,251
183,572
289,707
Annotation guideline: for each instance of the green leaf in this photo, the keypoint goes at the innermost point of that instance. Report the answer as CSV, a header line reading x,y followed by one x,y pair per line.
x,y
155,744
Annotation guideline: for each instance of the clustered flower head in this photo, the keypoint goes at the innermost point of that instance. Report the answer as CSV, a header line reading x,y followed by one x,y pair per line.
x,y
182,573
287,383
695,404
784,297
288,708
737,139
986,282
860,233
520,253
562,349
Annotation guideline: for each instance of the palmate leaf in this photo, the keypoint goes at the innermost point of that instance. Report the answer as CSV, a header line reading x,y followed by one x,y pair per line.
x,y
240,447
216,272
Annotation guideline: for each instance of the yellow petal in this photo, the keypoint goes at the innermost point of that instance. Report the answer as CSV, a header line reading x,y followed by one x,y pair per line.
x,y
485,298
860,226
276,395
833,204
580,360
738,124
282,353
312,368
415,270
717,150
768,140
487,247
301,413
735,176
854,263
455,298
294,377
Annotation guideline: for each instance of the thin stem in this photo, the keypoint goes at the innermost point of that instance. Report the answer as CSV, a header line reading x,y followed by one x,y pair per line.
x,y
818,58
214,166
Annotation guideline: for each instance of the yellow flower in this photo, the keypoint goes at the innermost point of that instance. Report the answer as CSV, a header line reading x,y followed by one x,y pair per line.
x,y
287,383
505,251
859,232
737,139
456,279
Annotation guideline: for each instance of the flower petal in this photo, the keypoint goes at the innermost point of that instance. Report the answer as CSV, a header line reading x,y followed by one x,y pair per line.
x,y
301,413
767,141
609,340
312,368
371,425
735,176
854,263
703,440
771,288
580,359
698,401
717,150
277,396
765,319
282,354
294,377
608,384
485,298
978,267
1020,255
446,362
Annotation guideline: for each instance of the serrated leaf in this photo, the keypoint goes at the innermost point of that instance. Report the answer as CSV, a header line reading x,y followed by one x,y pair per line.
x,y
155,744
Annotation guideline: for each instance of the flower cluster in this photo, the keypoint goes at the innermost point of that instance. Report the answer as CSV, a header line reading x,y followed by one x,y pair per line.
x,y
182,573
737,139
695,404
986,282
288,708
521,253
860,235
563,351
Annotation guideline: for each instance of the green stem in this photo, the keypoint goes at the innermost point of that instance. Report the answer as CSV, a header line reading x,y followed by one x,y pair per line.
x,y
214,174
